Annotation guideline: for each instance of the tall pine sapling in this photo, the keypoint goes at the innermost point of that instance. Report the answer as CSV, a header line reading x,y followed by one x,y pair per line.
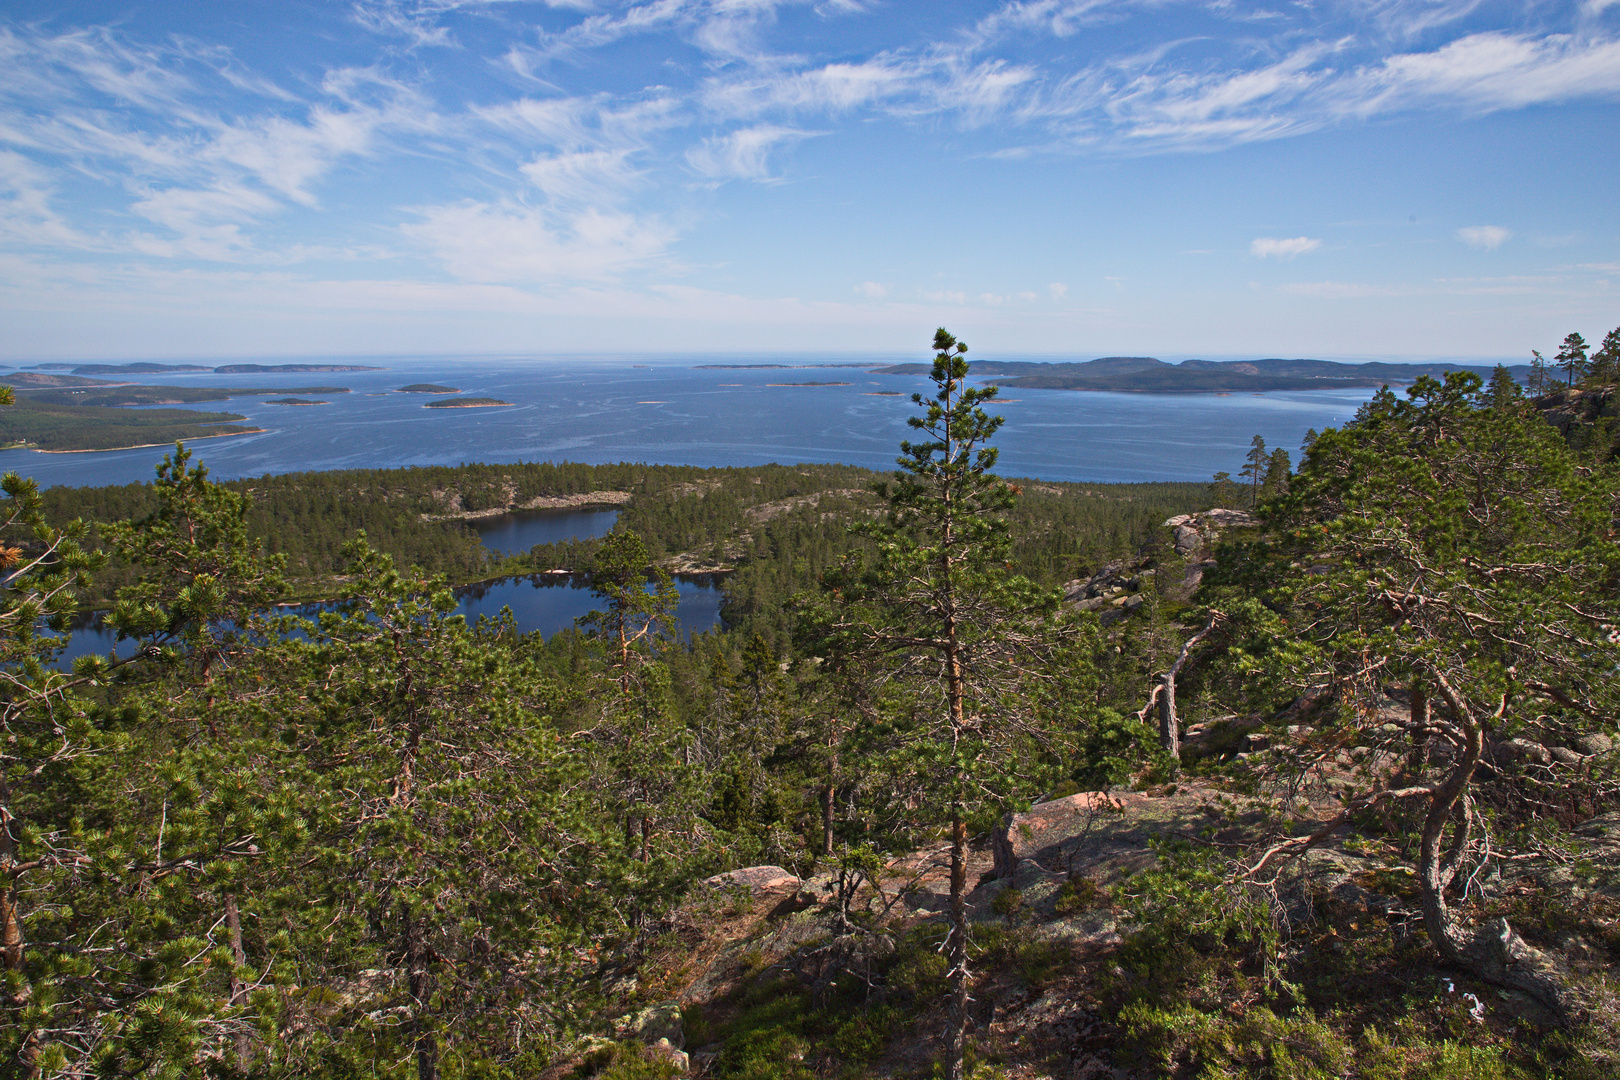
x,y
954,635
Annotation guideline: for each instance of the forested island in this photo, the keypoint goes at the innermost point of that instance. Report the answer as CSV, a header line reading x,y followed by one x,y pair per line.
x,y
428,388
77,428
1307,773
1145,374
65,413
465,403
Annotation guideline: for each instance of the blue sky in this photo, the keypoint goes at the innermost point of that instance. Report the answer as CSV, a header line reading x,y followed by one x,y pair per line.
x,y
1334,178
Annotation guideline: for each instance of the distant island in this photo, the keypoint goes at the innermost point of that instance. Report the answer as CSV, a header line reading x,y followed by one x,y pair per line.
x,y
22,379
127,369
116,395
70,414
1145,374
466,403
807,384
777,367
427,388
884,393
62,429
254,369
148,368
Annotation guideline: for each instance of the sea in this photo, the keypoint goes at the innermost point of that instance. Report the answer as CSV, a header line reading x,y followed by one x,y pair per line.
x,y
715,411
692,411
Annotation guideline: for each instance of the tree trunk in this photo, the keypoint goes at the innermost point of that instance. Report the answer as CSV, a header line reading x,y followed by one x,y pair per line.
x,y
1493,953
828,794
1164,694
233,924
1169,722
420,981
957,953
1418,756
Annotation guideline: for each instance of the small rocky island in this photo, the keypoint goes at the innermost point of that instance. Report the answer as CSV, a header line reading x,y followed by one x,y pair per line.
x,y
466,403
807,384
295,401
428,388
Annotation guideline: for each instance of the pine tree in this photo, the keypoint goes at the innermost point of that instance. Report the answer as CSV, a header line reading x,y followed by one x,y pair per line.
x,y
1460,550
1605,368
1254,468
942,620
43,729
1278,467
1572,358
1503,391
1540,380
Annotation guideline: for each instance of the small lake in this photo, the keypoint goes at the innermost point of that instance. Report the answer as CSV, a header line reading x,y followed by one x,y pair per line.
x,y
544,602
517,532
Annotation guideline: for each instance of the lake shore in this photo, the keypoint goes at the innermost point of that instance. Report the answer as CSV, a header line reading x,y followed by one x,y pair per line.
x,y
540,502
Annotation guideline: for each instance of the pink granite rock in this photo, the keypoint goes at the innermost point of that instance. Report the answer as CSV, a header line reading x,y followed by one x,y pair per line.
x,y
755,878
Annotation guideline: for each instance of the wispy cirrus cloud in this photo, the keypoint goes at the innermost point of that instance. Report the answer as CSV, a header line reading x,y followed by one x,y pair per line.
x,y
196,160
742,154
1269,247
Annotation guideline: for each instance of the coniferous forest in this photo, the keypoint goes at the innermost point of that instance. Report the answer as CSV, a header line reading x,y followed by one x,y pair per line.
x,y
1311,773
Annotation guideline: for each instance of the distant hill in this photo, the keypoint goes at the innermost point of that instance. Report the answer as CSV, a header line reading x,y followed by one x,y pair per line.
x,y
260,369
134,369
34,378
1145,374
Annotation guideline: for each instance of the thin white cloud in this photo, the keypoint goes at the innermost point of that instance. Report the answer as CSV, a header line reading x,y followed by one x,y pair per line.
x,y
872,290
26,215
1484,237
1058,290
513,244
589,176
1268,247
1340,290
189,167
832,88
742,154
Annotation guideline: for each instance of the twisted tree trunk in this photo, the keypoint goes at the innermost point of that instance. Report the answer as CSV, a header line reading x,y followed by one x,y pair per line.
x,y
1493,953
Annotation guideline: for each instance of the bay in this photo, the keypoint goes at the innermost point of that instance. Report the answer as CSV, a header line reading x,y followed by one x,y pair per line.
x,y
679,411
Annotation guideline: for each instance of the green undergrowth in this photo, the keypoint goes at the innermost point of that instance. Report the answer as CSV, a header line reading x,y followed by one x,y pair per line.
x,y
1182,1041
776,1027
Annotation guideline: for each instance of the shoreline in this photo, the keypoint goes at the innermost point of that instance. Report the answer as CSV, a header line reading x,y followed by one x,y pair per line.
x,y
540,502
143,446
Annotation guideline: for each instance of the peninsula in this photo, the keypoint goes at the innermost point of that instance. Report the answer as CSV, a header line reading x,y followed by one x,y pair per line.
x,y
1146,374
69,413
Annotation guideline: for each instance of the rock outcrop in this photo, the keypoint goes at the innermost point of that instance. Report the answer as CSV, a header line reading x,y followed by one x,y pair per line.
x,y
755,879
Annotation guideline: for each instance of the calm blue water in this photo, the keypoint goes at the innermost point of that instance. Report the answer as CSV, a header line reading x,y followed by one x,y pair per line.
x,y
543,602
677,412
673,412
516,533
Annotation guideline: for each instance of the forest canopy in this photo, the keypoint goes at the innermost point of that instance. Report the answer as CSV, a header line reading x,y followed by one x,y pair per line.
x,y
384,841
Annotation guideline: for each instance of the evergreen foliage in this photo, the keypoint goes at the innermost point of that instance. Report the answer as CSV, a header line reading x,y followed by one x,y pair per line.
x,y
384,842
